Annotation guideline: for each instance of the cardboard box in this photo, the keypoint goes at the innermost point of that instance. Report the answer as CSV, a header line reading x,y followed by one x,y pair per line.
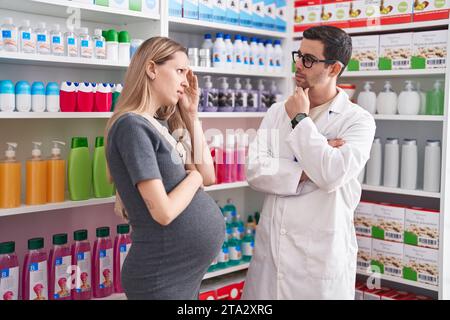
x,y
259,14
230,292
150,7
426,10
364,258
365,53
270,8
219,11
396,11
176,8
233,7
365,13
208,295
205,10
389,222
364,219
429,49
281,16
387,258
307,14
422,227
246,13
190,9
375,294
395,51
335,13
421,265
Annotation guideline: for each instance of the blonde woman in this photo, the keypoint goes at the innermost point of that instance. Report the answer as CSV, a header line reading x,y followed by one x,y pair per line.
x,y
177,229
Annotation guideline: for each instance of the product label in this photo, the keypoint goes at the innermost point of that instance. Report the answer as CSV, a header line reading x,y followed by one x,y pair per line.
x,y
236,233
26,36
364,253
9,284
429,49
387,258
71,41
38,289
224,255
124,249
395,51
363,219
365,53
85,43
106,268
99,44
421,265
83,279
41,38
389,222
56,40
6,34
247,248
235,253
62,277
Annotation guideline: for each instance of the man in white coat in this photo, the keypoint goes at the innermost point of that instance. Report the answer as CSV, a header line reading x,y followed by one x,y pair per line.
x,y
306,158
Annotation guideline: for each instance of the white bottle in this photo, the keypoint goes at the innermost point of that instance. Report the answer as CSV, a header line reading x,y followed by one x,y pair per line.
x,y
226,96
373,172
367,99
57,41
85,43
23,96
229,48
252,96
278,56
38,97
7,96
423,100
52,97
219,52
261,56
9,35
207,42
387,100
409,100
270,52
238,53
27,38
277,95
245,54
391,163
99,44
72,44
42,39
408,178
254,54
432,166
240,97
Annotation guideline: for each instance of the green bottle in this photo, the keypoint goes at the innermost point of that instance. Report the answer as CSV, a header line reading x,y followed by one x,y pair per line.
x,y
248,244
228,228
79,170
229,210
224,257
102,187
435,100
234,247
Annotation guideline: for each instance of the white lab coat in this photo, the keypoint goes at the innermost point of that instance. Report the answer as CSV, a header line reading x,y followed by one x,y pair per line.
x,y
305,246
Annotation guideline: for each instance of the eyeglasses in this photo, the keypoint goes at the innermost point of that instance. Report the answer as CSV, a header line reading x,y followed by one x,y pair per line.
x,y
308,60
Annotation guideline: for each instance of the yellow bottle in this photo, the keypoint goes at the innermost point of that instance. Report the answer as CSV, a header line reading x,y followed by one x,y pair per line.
x,y
56,175
10,179
36,192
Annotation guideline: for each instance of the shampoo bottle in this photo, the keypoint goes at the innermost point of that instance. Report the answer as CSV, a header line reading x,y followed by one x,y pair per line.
x,y
56,174
79,172
409,100
387,100
367,99
36,182
10,179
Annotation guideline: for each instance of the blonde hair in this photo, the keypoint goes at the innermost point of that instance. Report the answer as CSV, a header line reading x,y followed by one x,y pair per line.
x,y
136,93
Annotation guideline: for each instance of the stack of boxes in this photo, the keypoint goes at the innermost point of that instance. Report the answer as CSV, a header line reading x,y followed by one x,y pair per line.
x,y
148,7
362,292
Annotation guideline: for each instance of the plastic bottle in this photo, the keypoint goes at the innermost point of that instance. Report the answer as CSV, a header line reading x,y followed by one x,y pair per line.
x,y
391,163
27,38
23,96
264,97
86,50
85,98
9,268
52,97
59,266
36,179
251,224
228,228
79,171
224,255
112,45
238,53
134,46
116,94
42,39
38,97
226,96
7,96
219,52
81,259
10,179
275,94
373,172
122,245
103,98
34,274
102,187
248,245
207,42
234,247
210,96
68,97
261,58
367,99
240,97
252,96
432,166
241,154
57,41
102,267
435,100
229,175
269,57
216,148
254,54
71,43
56,179
245,54
99,44
278,56
423,100
229,210
237,226
124,47
229,49
387,100
408,178
9,35
409,100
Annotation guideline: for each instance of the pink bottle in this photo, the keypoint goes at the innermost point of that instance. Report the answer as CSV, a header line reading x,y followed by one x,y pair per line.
x,y
217,156
103,98
59,265
9,272
122,246
85,97
241,154
229,172
68,96
34,274
81,259
102,267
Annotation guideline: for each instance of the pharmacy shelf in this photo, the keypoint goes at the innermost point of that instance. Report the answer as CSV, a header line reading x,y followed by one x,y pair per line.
x,y
88,12
227,186
417,193
398,117
198,26
400,281
394,73
107,115
231,115
59,61
237,73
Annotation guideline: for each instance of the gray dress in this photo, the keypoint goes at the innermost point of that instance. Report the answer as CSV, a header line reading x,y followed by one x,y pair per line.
x,y
164,262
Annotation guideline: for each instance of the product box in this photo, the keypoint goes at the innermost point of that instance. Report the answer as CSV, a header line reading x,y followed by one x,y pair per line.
x,y
104,3
387,257
190,9
429,49
395,51
430,10
176,8
364,219
335,13
233,7
307,14
421,265
119,4
376,294
246,13
135,5
422,227
150,7
208,295
364,254
396,11
365,13
259,14
396,295
230,292
270,12
365,53
389,222
280,16
205,10
360,287
220,11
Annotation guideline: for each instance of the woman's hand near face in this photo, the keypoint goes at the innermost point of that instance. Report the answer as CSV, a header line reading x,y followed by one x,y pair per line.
x,y
188,103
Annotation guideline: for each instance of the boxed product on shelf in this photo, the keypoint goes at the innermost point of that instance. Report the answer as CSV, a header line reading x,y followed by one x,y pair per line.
x,y
364,219
376,294
190,9
421,264
364,253
335,13
176,8
429,49
219,11
431,10
365,53
396,11
205,10
387,258
422,227
281,17
259,14
150,7
246,13
389,222
135,5
395,51
396,295
233,9
364,13
307,14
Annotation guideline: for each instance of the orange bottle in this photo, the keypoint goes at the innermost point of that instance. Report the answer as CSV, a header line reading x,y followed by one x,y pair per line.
x,y
56,175
10,179
36,189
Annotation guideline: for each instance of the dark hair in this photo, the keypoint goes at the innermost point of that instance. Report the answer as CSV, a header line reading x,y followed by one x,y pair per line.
x,y
338,44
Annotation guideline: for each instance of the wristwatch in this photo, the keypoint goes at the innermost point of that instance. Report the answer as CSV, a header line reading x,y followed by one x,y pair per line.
x,y
299,117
